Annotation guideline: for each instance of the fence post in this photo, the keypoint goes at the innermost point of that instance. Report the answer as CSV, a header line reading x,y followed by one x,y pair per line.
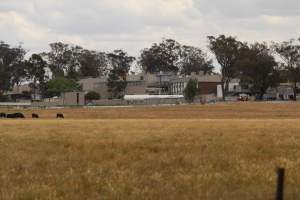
x,y
280,184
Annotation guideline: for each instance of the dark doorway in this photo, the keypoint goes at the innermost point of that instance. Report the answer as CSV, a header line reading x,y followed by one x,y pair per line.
x,y
77,96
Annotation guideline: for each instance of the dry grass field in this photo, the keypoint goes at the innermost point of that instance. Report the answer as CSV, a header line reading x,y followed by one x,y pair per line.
x,y
218,111
210,152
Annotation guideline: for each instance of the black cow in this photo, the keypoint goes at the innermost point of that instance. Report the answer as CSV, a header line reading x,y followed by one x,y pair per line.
x,y
15,115
60,115
34,115
2,115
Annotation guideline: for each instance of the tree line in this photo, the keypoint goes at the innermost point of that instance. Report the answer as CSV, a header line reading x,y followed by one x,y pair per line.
x,y
260,65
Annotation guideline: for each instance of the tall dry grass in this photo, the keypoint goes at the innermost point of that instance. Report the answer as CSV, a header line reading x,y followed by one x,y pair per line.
x,y
243,110
208,159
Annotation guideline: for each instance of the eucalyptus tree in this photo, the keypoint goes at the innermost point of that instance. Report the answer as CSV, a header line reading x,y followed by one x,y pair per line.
x,y
226,50
289,52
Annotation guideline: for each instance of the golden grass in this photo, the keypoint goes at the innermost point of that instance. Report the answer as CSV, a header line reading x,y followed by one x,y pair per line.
x,y
186,152
244,110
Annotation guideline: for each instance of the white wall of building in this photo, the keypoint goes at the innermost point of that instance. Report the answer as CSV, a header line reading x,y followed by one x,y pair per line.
x,y
219,91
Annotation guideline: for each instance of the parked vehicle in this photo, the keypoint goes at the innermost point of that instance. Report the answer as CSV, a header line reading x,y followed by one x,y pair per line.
x,y
243,97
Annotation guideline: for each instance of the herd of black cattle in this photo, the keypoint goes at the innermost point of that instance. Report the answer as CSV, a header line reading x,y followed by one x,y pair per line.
x,y
21,115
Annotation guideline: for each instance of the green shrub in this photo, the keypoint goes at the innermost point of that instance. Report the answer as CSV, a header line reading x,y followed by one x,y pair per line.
x,y
191,90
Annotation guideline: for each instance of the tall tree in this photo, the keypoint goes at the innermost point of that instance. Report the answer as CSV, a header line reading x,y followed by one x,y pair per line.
x,y
58,58
73,67
18,73
92,63
4,79
12,70
119,63
36,72
116,84
258,68
64,60
193,59
161,57
226,51
289,53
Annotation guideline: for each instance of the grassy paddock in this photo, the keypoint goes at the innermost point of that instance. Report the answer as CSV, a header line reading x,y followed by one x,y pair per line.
x,y
226,152
242,110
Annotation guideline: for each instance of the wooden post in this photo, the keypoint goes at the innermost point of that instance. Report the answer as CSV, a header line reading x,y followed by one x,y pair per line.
x,y
280,184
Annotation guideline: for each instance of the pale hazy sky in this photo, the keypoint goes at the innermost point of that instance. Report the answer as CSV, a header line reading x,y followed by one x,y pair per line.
x,y
135,24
